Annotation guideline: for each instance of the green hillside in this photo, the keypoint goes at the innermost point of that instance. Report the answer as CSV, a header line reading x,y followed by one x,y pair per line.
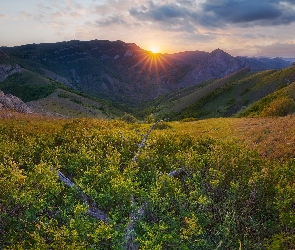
x,y
180,100
68,104
47,96
231,95
29,86
72,184
242,93
126,74
279,103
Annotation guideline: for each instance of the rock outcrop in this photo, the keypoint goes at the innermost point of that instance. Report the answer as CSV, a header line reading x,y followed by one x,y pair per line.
x,y
217,64
13,103
7,70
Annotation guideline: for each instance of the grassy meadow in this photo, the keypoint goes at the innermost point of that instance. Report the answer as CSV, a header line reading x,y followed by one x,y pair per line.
x,y
224,183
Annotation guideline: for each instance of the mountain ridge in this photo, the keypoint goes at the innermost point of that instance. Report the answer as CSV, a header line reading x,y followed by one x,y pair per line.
x,y
123,72
124,75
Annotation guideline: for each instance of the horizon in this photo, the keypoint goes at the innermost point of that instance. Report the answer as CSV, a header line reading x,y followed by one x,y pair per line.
x,y
239,27
155,52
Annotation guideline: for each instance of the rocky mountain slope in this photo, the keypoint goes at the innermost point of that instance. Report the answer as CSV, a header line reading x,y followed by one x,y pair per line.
x,y
13,103
123,72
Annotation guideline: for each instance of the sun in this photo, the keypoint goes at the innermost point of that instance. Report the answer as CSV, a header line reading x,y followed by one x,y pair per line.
x,y
154,49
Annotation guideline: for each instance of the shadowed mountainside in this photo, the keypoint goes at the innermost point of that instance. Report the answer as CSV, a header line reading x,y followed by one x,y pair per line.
x,y
125,73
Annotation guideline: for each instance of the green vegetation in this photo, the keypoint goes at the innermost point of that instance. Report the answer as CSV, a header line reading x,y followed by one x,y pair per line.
x,y
118,87
128,118
48,96
28,86
239,94
278,103
190,190
150,118
189,119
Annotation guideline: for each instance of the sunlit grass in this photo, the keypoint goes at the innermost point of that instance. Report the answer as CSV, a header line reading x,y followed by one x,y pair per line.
x,y
271,137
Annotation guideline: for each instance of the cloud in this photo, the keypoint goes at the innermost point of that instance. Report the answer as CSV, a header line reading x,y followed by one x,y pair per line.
x,y
248,12
158,13
59,9
111,20
277,50
185,2
166,17
196,37
239,12
75,14
236,25
165,12
217,13
26,15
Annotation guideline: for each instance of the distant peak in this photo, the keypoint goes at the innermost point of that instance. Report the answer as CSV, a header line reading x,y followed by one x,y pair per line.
x,y
219,52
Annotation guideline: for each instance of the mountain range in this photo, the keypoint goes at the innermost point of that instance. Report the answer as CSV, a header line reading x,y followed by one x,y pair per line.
x,y
103,78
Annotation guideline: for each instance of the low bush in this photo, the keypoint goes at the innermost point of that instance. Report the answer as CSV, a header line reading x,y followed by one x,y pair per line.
x,y
128,118
279,107
220,196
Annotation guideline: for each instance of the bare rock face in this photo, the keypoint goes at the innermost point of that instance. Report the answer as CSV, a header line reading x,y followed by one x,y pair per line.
x,y
217,64
7,70
14,103
223,64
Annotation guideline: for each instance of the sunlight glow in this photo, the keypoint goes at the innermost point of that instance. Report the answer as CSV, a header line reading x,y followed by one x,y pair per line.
x,y
154,49
152,66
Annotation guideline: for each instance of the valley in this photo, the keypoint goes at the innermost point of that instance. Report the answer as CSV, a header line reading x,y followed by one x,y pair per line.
x,y
122,77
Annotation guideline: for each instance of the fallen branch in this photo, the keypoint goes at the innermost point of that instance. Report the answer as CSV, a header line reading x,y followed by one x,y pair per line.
x,y
130,231
93,210
136,215
139,213
178,172
142,144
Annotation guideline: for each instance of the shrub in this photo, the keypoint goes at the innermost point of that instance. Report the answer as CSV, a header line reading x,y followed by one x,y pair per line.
x,y
279,107
128,118
150,118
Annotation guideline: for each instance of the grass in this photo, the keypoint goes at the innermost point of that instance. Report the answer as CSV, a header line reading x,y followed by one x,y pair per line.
x,y
272,138
259,107
231,95
68,104
187,97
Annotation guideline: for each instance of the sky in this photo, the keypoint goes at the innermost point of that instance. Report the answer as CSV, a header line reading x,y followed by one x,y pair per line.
x,y
239,27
